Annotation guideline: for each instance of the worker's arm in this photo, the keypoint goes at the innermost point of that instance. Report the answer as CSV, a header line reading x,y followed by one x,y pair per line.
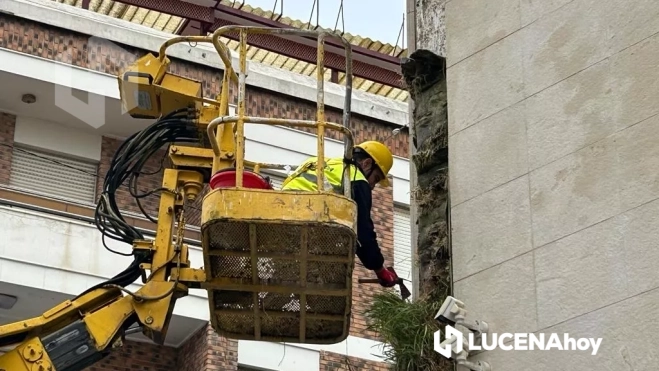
x,y
368,249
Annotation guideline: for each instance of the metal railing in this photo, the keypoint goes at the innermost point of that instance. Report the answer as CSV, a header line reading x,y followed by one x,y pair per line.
x,y
240,119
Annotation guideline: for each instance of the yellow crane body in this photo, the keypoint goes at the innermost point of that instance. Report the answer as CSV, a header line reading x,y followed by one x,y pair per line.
x,y
277,264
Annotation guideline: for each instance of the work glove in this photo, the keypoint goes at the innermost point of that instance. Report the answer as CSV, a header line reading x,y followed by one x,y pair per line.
x,y
387,277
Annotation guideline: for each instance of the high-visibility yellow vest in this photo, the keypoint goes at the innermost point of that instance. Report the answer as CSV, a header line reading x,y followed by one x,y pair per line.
x,y
304,178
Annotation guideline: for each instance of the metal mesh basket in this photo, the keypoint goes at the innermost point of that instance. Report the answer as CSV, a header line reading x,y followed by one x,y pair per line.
x,y
288,281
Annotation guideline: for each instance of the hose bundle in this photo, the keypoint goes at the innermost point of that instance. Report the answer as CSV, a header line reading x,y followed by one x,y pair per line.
x,y
127,164
125,168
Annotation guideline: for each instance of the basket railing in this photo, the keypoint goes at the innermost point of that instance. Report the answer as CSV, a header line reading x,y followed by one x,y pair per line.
x,y
239,120
320,124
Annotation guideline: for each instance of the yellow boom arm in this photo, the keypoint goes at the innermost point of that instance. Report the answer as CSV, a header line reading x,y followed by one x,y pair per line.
x,y
79,332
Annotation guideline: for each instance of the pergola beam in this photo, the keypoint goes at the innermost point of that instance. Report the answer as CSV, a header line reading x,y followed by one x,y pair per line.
x,y
367,64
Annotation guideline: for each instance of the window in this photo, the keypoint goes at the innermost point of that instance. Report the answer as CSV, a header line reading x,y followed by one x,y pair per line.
x,y
276,179
53,175
403,243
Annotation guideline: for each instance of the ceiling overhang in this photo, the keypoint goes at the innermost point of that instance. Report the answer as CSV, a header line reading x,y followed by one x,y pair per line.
x,y
207,15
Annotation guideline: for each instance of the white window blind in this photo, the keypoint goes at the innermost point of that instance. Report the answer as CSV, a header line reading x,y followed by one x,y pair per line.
x,y
53,175
402,244
276,179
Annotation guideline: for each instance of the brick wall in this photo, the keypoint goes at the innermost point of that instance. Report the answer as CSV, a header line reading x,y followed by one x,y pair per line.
x,y
222,353
138,356
192,354
105,56
207,351
336,362
382,214
265,103
7,123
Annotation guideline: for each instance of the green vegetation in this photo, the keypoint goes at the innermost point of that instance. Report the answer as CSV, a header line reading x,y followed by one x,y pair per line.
x,y
408,329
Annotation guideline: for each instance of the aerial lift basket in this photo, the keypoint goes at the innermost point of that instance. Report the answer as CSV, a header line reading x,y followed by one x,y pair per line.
x,y
278,263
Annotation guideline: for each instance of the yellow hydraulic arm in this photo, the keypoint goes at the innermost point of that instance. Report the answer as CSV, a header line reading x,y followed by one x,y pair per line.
x,y
79,332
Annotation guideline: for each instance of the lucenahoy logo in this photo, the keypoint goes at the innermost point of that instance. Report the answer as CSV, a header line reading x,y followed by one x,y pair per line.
x,y
521,341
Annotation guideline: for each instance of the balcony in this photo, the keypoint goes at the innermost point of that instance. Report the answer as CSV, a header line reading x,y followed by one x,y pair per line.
x,y
52,251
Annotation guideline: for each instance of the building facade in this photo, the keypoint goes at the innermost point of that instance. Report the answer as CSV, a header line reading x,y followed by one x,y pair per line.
x,y
60,124
553,145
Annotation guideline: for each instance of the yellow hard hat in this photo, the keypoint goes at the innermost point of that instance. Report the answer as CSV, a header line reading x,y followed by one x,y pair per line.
x,y
381,155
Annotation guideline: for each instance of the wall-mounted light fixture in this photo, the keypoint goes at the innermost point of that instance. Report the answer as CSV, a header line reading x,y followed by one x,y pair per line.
x,y
28,98
7,301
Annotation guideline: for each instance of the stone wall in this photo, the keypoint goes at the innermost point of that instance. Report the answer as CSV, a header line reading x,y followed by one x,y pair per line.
x,y
554,150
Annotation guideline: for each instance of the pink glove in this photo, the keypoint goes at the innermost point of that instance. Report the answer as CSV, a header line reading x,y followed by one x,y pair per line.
x,y
387,277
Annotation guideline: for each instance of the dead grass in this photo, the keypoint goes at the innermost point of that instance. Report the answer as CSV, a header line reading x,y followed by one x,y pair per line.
x,y
408,329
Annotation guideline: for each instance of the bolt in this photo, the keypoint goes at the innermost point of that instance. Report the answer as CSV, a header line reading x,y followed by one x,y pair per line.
x,y
32,353
43,366
149,320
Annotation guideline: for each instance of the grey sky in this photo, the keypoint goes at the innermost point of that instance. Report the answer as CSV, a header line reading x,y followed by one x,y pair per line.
x,y
378,19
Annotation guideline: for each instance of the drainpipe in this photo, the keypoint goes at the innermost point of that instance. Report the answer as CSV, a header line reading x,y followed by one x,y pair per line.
x,y
411,47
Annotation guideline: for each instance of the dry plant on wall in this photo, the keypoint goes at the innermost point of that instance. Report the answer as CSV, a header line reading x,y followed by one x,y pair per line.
x,y
408,327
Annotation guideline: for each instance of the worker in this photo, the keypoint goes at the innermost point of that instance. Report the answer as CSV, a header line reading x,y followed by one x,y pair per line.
x,y
371,164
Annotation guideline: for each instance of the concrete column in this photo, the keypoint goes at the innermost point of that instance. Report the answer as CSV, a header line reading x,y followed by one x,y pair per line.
x,y
430,25
425,30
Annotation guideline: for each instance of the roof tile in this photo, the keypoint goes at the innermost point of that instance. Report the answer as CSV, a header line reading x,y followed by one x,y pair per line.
x,y
171,24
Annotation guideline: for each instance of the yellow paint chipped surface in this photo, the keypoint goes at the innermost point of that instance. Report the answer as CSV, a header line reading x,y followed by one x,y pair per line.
x,y
171,24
